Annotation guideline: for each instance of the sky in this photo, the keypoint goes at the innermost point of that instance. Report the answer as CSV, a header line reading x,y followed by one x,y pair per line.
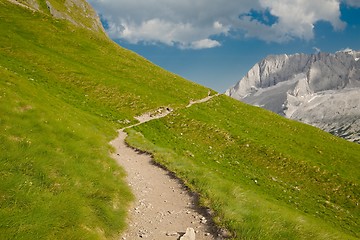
x,y
216,42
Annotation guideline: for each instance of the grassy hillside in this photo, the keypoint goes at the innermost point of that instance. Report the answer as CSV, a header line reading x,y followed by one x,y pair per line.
x,y
85,68
78,12
56,178
64,90
265,177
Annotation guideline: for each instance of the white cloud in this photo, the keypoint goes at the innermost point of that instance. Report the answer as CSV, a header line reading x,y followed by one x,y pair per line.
x,y
204,43
353,3
194,24
185,23
297,18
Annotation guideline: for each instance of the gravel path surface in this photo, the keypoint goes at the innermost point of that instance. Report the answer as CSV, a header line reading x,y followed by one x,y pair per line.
x,y
164,208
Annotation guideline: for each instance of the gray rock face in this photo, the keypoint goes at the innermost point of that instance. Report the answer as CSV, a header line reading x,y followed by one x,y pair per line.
x,y
320,89
78,12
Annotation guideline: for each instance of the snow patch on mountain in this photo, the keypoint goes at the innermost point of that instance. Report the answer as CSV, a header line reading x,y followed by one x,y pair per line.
x,y
320,89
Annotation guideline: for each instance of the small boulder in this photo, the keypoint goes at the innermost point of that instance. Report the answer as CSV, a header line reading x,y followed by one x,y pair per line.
x,y
189,235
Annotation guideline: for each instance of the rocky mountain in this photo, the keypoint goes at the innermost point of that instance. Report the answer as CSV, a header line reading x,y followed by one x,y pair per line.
x,y
78,12
320,89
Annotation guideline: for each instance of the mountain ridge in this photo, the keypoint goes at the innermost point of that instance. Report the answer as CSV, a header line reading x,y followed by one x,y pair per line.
x,y
297,85
78,12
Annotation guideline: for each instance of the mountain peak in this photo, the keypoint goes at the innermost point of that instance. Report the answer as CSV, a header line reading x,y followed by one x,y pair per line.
x,y
321,89
346,50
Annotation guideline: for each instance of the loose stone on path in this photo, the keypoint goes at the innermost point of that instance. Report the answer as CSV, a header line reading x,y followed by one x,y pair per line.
x,y
189,235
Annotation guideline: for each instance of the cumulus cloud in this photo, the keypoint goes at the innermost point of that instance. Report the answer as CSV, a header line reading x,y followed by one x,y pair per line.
x,y
297,18
185,23
353,3
195,24
204,43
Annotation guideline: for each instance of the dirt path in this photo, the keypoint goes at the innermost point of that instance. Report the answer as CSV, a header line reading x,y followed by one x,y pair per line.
x,y
163,208
201,100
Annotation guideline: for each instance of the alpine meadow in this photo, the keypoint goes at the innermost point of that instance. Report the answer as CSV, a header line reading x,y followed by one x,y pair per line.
x,y
65,90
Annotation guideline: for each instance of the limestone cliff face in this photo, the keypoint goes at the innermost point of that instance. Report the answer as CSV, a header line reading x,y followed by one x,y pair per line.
x,y
78,12
320,89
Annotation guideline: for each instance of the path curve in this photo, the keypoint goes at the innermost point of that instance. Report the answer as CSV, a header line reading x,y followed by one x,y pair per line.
x,y
163,208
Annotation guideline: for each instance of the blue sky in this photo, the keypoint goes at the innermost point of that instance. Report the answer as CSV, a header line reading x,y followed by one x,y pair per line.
x,y
215,42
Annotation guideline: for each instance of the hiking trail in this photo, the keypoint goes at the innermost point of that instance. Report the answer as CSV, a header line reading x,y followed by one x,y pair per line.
x,y
164,208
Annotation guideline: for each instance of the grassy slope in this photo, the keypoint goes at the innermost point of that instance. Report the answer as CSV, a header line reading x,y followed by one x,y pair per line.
x,y
266,177
85,68
57,180
63,92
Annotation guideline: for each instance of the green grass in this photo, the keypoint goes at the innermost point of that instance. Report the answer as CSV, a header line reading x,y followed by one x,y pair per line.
x,y
264,176
85,68
57,180
64,90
